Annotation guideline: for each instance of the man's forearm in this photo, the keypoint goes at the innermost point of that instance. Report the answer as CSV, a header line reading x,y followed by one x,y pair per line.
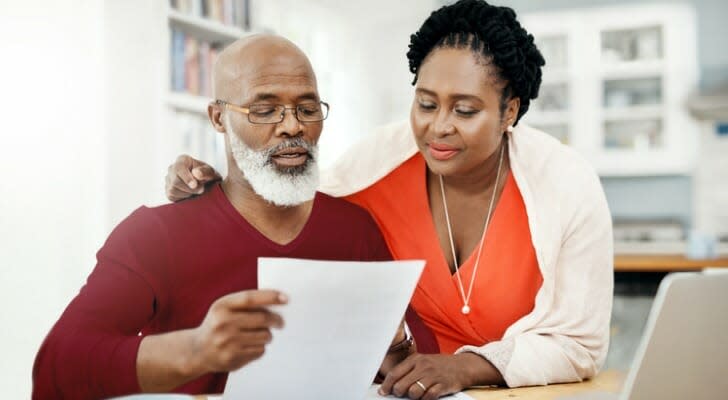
x,y
166,361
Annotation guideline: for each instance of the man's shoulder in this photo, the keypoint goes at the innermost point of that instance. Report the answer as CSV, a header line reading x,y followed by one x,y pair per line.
x,y
163,219
340,209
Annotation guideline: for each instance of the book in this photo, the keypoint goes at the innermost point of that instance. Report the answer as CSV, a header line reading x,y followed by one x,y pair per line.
x,y
192,66
178,60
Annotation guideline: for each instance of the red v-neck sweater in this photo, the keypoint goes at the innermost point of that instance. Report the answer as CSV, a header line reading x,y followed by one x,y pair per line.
x,y
160,270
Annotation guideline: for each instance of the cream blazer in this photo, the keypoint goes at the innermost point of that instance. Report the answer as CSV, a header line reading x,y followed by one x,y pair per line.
x,y
566,336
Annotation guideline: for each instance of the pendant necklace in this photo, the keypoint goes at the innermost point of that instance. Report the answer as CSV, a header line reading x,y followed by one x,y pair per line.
x,y
466,297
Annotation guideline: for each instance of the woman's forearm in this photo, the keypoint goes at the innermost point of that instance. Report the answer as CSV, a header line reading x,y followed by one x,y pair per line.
x,y
477,371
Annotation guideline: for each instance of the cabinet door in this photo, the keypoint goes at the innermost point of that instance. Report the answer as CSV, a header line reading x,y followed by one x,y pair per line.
x,y
620,98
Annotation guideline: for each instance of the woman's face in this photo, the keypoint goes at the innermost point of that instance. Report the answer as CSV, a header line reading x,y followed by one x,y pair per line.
x,y
455,114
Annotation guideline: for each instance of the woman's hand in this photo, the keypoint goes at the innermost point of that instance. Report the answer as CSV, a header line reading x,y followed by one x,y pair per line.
x,y
439,374
187,177
396,356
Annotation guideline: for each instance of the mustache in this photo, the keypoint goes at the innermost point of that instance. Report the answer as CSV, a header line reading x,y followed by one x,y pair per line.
x,y
288,144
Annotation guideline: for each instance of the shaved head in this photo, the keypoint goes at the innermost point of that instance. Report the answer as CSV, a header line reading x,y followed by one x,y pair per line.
x,y
256,60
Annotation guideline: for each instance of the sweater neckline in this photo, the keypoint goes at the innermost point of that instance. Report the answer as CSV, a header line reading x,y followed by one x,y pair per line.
x,y
227,207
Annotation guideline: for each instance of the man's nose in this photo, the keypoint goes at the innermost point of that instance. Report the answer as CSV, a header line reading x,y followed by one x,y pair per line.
x,y
290,125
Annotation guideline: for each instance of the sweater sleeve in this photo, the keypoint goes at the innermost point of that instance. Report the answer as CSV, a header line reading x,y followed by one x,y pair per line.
x,y
569,342
91,351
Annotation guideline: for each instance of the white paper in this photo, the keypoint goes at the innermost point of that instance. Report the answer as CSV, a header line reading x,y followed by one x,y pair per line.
x,y
372,394
339,322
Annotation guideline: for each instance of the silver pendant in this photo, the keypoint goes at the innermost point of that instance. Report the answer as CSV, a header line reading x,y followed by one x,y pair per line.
x,y
466,309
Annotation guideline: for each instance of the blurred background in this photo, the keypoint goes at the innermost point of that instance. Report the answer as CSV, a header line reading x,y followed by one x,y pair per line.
x,y
98,97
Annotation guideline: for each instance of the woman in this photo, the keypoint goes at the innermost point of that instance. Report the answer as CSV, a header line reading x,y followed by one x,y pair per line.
x,y
514,226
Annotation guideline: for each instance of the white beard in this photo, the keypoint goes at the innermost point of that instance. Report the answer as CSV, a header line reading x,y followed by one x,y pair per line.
x,y
287,187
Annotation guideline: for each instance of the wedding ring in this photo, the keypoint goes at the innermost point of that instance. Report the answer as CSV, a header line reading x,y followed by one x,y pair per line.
x,y
424,388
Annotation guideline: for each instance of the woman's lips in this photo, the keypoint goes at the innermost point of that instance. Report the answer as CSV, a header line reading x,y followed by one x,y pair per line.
x,y
442,152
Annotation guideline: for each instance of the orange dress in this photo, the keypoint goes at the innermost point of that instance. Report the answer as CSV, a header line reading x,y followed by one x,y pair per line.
x,y
508,277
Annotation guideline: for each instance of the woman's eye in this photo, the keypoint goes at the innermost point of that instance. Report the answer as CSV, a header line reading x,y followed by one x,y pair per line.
x,y
427,106
466,112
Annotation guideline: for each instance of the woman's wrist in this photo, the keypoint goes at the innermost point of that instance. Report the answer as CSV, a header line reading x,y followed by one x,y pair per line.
x,y
475,370
404,342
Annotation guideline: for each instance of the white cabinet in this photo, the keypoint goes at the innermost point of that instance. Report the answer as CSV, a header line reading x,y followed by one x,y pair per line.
x,y
615,85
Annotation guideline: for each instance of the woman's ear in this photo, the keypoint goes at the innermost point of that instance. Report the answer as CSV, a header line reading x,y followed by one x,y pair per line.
x,y
511,113
214,112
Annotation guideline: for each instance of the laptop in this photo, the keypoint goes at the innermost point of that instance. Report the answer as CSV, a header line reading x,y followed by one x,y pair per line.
x,y
684,348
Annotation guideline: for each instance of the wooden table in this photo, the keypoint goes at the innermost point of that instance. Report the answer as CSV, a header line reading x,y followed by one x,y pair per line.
x,y
665,263
608,381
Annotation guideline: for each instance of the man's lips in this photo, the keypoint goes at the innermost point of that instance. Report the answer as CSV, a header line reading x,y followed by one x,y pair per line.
x,y
291,157
442,152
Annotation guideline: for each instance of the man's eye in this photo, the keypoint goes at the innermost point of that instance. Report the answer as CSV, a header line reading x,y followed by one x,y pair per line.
x,y
263,110
309,109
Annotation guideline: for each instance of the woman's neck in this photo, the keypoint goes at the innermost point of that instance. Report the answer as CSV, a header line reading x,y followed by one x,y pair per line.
x,y
480,179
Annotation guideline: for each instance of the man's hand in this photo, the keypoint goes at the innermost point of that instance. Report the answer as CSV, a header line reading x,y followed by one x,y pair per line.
x,y
430,376
187,177
235,331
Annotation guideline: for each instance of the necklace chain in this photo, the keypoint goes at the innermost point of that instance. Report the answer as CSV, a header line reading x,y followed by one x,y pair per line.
x,y
466,298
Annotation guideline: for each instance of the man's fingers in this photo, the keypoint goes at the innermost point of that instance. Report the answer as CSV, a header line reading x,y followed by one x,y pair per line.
x,y
243,356
255,337
255,319
254,299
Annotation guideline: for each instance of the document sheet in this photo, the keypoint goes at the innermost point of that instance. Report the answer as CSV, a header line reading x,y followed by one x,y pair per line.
x,y
339,322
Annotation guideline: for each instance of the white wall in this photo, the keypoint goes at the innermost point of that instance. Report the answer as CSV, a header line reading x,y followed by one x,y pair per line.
x,y
52,201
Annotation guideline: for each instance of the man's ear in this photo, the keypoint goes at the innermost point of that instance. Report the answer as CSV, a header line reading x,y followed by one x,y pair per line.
x,y
214,112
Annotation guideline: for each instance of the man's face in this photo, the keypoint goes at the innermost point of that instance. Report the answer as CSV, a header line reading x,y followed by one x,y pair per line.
x,y
277,159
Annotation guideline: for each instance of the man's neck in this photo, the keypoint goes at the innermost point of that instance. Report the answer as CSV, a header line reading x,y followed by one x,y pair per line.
x,y
278,223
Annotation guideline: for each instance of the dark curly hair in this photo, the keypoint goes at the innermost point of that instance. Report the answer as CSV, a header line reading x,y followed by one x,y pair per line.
x,y
491,32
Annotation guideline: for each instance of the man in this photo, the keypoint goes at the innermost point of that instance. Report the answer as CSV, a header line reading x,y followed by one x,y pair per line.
x,y
172,304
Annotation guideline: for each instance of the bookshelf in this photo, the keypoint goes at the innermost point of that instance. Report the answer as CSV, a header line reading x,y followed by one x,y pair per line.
x,y
615,85
197,30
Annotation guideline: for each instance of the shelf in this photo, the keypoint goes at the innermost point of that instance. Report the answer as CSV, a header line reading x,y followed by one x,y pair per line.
x,y
204,28
664,263
633,113
710,106
633,69
188,102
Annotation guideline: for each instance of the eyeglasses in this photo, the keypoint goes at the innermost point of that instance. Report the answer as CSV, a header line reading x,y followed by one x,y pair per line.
x,y
275,113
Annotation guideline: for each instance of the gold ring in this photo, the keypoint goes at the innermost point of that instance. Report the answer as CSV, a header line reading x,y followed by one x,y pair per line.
x,y
424,388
